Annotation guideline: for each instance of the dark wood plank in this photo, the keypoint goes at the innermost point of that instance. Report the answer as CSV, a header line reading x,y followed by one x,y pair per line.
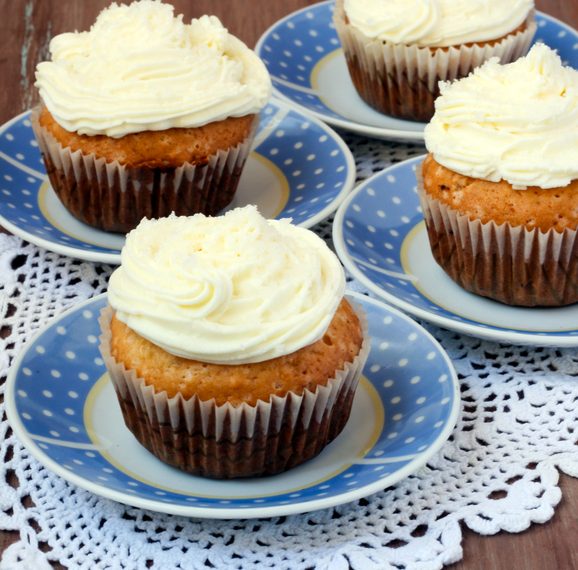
x,y
565,10
25,31
549,546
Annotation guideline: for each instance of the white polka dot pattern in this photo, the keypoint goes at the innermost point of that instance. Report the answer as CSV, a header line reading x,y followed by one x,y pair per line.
x,y
375,232
518,403
419,417
302,154
295,48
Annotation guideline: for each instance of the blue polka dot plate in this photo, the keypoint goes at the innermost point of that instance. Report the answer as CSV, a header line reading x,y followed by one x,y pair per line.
x,y
62,407
299,168
303,55
380,236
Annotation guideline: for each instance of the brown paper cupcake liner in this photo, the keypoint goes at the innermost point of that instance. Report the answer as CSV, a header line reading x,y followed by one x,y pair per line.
x,y
114,197
510,264
402,81
229,441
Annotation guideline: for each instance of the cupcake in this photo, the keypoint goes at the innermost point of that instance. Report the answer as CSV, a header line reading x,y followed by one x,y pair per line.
x,y
397,51
231,348
140,120
499,189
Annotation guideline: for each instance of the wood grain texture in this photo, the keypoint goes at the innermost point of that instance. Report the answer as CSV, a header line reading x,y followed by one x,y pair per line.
x,y
25,31
549,546
24,36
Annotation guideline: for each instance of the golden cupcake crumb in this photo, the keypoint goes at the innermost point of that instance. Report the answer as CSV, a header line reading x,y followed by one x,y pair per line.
x,y
304,369
555,208
156,149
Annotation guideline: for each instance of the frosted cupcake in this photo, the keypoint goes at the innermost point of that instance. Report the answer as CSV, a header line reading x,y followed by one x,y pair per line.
x,y
398,50
231,348
500,185
140,120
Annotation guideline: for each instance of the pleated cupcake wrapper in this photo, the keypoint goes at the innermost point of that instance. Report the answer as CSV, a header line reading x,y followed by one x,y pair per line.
x,y
114,197
247,426
507,263
402,80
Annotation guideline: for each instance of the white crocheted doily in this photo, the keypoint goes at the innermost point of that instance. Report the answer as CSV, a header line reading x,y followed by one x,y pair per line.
x,y
499,470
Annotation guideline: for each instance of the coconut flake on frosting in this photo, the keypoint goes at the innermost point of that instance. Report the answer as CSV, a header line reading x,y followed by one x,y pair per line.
x,y
437,23
141,68
516,122
230,289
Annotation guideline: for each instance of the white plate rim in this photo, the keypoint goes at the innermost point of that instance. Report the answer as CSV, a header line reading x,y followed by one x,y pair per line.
x,y
353,126
233,513
114,258
495,334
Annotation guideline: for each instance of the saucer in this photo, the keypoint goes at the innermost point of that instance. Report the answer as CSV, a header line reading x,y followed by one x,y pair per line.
x,y
299,168
303,55
62,406
380,236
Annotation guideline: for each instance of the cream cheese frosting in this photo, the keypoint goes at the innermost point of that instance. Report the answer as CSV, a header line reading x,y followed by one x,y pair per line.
x,y
437,23
231,289
141,68
516,122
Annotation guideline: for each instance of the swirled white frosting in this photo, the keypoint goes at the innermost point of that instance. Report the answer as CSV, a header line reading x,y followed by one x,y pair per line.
x,y
140,68
516,122
436,23
229,290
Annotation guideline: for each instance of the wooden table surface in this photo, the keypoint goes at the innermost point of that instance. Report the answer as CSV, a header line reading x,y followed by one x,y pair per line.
x,y
25,30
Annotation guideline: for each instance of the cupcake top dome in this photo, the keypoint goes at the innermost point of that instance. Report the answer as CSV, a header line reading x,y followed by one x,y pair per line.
x,y
437,23
141,68
516,122
232,289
